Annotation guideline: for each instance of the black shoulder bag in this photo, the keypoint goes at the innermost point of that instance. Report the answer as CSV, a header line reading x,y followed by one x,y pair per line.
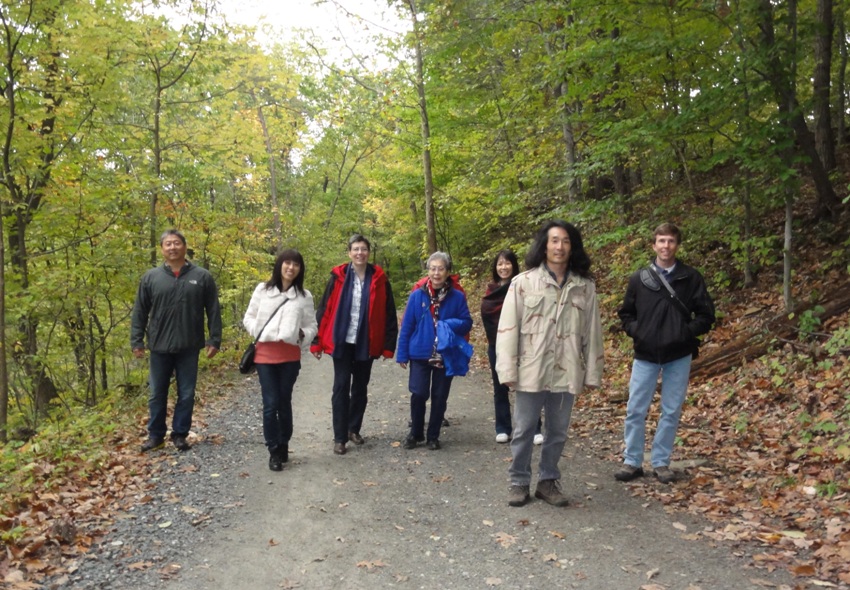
x,y
246,363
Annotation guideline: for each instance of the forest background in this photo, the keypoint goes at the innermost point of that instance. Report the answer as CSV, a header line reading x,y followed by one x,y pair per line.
x,y
483,118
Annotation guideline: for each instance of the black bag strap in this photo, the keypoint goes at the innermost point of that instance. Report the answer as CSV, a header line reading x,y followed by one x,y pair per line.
x,y
257,339
676,301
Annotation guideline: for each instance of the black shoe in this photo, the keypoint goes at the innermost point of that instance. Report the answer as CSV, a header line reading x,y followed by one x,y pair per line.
x,y
628,473
339,448
275,460
356,438
151,444
434,445
283,450
446,423
180,443
410,442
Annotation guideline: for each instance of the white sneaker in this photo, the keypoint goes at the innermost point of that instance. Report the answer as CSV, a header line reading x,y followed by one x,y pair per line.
x,y
538,439
502,437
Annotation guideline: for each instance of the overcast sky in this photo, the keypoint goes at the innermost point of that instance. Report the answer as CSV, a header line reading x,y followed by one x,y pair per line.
x,y
330,21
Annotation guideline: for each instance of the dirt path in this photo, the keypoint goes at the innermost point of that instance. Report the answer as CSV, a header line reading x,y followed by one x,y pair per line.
x,y
382,516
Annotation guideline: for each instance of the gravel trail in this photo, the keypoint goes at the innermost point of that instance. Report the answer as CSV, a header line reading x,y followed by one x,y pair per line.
x,y
385,517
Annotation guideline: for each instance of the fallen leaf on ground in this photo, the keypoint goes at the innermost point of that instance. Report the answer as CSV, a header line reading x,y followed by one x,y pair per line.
x,y
652,573
493,581
679,526
370,565
487,522
557,535
504,539
273,543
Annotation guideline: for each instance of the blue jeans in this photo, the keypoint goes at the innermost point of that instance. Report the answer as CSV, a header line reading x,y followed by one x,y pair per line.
x,y
350,393
184,365
427,381
558,408
276,383
642,385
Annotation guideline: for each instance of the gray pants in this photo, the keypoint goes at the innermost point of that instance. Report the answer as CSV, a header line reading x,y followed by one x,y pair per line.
x,y
558,408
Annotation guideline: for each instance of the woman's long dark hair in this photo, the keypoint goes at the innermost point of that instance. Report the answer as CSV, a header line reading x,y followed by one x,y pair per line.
x,y
510,257
277,272
579,262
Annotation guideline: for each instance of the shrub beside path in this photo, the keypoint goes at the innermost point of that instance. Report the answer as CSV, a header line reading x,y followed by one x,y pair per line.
x,y
385,517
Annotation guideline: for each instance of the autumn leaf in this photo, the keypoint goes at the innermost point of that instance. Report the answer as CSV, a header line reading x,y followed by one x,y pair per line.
x,y
273,543
557,535
370,565
493,581
504,539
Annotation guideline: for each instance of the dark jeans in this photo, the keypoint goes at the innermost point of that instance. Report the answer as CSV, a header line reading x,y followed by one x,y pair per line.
x,y
502,400
276,383
350,393
184,365
426,381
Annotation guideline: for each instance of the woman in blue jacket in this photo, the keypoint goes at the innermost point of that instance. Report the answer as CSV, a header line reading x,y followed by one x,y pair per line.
x,y
432,340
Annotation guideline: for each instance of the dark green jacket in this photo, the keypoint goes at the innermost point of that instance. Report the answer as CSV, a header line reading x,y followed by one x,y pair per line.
x,y
171,310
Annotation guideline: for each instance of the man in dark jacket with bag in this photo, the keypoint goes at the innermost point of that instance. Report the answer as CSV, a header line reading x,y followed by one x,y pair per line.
x,y
666,309
357,324
170,306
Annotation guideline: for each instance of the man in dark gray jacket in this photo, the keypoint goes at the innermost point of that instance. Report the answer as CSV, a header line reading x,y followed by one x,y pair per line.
x,y
170,306
666,309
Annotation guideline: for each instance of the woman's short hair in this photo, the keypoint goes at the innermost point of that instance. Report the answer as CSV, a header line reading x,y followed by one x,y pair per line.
x,y
441,256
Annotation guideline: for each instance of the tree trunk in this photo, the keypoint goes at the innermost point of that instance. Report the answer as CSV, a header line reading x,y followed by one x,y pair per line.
x,y
430,219
4,375
782,83
278,228
840,82
823,61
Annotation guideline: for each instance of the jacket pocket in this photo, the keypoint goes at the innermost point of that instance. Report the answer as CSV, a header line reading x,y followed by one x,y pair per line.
x,y
533,321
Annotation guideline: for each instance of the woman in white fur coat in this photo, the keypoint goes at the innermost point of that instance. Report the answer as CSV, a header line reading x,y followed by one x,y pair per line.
x,y
278,357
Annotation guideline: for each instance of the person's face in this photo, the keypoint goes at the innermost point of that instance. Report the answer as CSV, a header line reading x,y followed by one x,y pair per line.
x,y
358,252
665,250
289,271
504,268
173,249
558,247
438,273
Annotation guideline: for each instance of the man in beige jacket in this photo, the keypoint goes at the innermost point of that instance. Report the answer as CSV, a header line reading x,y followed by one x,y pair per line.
x,y
548,349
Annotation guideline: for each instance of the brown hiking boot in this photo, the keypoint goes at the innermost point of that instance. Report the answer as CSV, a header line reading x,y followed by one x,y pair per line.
x,y
665,474
549,490
518,495
628,473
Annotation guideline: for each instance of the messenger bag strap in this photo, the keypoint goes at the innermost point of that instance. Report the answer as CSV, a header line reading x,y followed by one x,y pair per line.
x,y
677,302
257,339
